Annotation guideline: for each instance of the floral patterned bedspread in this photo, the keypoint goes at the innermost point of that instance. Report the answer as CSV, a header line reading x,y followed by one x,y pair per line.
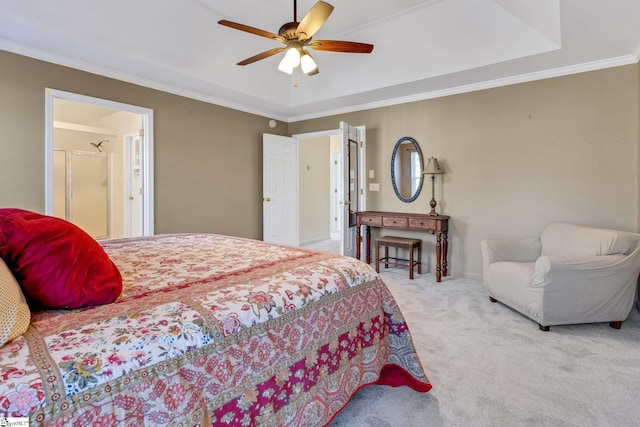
x,y
212,330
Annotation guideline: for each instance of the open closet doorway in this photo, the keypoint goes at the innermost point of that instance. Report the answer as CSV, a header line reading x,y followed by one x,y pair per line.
x,y
99,165
331,187
306,195
320,181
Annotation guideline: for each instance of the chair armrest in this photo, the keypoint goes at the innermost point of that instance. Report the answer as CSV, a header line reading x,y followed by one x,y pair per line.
x,y
518,250
605,270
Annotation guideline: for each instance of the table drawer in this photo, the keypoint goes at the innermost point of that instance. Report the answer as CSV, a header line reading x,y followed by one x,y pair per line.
x,y
427,224
374,221
390,221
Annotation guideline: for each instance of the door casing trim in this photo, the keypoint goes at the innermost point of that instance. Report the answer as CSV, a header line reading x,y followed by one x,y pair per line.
x,y
147,148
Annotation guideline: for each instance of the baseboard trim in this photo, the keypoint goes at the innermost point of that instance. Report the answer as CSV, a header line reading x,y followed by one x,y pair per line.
x,y
311,242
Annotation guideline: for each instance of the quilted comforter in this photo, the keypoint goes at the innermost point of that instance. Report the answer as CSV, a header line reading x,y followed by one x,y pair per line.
x,y
212,330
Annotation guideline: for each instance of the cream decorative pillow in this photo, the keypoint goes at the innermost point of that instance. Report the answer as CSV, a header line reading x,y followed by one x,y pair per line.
x,y
14,311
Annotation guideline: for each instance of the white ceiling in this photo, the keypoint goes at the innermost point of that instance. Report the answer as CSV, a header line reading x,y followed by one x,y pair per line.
x,y
423,48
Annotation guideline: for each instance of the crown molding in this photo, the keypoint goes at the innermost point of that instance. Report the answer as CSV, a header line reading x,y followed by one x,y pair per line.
x,y
128,78
636,55
490,84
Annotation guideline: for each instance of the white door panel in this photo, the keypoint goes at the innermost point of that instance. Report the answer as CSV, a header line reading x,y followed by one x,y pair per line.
x,y
352,193
134,194
280,189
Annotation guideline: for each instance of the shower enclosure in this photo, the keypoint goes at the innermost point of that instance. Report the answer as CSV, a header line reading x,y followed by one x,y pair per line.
x,y
82,182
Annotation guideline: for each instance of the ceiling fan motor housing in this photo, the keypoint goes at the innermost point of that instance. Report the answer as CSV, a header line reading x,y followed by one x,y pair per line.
x,y
288,31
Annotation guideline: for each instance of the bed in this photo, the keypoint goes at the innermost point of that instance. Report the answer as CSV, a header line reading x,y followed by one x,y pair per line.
x,y
212,330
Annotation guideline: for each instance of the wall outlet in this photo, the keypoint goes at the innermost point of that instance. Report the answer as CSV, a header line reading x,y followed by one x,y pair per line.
x,y
374,186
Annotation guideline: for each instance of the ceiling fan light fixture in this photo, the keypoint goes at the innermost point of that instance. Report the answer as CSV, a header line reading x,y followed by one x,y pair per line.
x,y
307,63
285,66
296,35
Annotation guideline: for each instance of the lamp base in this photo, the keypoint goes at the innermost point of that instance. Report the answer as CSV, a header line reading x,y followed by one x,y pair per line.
x,y
433,204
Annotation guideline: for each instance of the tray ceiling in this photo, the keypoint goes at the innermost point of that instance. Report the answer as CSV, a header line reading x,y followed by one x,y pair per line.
x,y
422,49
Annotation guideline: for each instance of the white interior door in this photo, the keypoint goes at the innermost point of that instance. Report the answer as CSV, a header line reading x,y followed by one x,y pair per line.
x,y
134,195
352,194
279,189
336,182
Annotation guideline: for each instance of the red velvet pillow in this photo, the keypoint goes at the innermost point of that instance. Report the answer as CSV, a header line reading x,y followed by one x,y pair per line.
x,y
56,263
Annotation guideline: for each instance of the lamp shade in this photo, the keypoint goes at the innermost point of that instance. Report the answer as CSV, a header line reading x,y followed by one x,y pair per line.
x,y
290,61
285,66
433,167
307,63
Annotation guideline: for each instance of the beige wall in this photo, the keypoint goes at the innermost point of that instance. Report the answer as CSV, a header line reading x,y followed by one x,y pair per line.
x,y
314,179
208,159
516,157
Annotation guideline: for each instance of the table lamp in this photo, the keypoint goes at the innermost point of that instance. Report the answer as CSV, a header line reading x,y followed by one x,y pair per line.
x,y
433,169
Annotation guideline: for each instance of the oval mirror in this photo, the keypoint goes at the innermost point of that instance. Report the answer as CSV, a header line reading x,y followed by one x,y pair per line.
x,y
406,169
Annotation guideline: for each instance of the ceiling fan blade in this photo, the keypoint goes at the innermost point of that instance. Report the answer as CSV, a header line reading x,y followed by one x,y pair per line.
x,y
251,30
341,46
262,55
314,19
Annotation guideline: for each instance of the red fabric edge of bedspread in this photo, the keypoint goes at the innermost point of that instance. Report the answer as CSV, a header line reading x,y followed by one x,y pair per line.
x,y
391,375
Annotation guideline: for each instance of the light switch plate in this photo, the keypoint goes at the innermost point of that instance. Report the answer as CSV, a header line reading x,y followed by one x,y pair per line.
x,y
374,186
371,174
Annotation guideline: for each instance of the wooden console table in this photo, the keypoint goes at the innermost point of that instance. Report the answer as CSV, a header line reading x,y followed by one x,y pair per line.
x,y
438,224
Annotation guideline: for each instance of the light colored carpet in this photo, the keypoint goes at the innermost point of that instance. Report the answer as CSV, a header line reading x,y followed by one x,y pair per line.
x,y
491,366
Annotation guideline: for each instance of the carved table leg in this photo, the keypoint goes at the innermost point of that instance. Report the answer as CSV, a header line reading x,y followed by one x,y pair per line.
x,y
438,256
358,241
638,294
445,245
368,244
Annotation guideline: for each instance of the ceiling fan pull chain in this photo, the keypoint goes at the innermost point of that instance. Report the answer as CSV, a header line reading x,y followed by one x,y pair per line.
x,y
297,74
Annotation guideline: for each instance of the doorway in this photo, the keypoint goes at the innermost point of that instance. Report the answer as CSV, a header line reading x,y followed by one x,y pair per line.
x,y
287,221
85,131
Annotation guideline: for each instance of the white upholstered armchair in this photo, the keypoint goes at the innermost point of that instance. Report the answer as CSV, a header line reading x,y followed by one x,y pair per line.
x,y
571,274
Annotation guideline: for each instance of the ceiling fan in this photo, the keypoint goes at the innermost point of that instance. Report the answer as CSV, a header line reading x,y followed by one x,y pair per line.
x,y
296,36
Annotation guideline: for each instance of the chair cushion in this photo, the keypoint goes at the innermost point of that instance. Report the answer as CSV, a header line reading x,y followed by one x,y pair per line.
x,y
510,274
508,282
571,240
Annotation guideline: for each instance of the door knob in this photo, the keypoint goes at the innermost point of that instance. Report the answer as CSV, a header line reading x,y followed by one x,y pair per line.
x,y
267,199
130,197
346,202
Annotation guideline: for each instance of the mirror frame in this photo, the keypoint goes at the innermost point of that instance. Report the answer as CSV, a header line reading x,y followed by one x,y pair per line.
x,y
393,172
